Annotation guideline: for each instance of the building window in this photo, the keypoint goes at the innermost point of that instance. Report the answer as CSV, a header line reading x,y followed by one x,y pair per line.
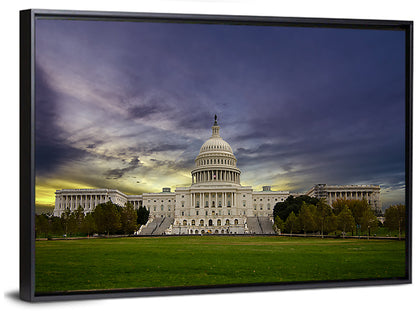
x,y
244,203
219,222
235,221
229,212
201,222
161,207
183,213
193,222
197,213
185,222
227,222
183,204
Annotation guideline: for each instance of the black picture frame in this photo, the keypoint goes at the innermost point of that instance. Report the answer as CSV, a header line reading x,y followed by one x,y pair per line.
x,y
27,146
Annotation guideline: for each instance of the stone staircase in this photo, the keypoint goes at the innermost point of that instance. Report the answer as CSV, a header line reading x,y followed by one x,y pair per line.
x,y
266,225
157,226
260,225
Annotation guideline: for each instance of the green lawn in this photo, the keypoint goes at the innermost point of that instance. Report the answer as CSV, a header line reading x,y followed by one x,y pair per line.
x,y
65,265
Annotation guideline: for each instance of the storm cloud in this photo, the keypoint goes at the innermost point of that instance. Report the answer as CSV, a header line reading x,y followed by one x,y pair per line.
x,y
118,102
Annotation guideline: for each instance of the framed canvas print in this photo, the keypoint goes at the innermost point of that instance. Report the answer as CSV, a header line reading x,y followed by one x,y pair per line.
x,y
167,154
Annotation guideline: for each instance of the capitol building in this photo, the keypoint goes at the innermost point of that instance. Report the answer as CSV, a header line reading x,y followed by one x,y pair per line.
x,y
215,203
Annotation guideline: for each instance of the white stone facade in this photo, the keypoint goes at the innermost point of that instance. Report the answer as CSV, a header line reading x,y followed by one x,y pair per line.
x,y
331,193
88,199
215,203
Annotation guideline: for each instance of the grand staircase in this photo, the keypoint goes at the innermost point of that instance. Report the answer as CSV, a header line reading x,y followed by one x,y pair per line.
x,y
260,225
157,227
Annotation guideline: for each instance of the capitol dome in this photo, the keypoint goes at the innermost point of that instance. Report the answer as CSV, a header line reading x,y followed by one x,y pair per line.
x,y
216,161
215,144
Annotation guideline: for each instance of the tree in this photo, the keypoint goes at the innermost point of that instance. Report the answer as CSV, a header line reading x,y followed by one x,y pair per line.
x,y
107,218
279,224
41,225
78,219
292,204
338,205
72,224
56,225
306,218
88,225
395,217
142,215
324,217
369,221
364,217
128,219
65,220
345,220
291,223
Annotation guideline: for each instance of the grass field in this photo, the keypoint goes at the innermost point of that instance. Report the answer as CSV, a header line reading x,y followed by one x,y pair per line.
x,y
66,265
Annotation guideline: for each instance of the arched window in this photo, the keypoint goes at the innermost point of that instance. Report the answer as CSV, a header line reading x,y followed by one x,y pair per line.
x,y
193,222
227,222
235,221
210,222
185,222
196,231
219,222
201,222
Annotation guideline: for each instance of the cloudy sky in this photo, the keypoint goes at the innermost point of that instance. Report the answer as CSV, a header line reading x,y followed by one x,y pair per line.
x,y
127,105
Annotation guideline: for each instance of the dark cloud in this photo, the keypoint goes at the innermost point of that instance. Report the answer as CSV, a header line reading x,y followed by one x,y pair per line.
x,y
119,172
51,149
308,104
142,112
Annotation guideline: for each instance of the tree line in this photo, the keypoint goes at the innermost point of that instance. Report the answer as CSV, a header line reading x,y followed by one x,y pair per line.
x,y
305,214
107,218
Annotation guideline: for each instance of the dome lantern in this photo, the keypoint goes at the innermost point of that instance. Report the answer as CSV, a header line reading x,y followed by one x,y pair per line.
x,y
215,128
